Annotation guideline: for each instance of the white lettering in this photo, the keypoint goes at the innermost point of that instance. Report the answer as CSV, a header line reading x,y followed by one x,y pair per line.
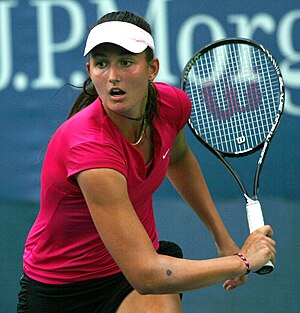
x,y
287,48
290,65
47,47
157,16
185,48
246,27
6,55
290,106
192,35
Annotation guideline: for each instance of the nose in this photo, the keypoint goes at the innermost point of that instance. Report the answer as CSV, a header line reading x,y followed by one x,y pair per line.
x,y
114,81
114,74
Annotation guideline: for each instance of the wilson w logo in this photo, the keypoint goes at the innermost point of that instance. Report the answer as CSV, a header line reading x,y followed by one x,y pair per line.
x,y
225,99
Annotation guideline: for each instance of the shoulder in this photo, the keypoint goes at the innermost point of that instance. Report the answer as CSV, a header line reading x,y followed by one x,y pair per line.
x,y
88,129
169,92
87,140
173,104
88,115
84,124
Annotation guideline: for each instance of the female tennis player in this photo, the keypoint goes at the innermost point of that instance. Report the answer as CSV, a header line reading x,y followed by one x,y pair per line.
x,y
94,246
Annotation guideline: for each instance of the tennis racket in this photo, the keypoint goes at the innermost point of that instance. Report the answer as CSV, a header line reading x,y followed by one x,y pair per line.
x,y
237,94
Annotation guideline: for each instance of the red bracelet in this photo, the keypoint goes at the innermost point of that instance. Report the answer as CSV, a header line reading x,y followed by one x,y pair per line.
x,y
245,261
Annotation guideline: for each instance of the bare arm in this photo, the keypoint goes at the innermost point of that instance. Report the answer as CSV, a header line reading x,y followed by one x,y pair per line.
x,y
186,176
106,194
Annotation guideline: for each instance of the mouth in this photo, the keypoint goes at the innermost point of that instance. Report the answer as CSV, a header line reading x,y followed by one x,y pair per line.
x,y
116,92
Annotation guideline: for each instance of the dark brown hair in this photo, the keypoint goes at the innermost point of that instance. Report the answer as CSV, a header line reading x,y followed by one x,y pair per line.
x,y
89,94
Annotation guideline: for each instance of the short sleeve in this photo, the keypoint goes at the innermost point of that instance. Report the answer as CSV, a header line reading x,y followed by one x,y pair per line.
x,y
185,107
90,155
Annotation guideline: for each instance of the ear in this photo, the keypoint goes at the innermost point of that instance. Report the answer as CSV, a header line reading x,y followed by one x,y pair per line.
x,y
88,68
153,68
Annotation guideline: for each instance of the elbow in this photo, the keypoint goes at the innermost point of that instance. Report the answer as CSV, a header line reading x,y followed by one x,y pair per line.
x,y
144,284
146,280
147,289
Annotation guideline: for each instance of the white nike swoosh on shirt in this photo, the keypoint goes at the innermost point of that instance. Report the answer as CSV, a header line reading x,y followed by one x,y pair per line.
x,y
166,153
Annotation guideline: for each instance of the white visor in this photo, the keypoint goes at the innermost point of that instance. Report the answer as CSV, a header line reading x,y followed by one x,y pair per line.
x,y
126,35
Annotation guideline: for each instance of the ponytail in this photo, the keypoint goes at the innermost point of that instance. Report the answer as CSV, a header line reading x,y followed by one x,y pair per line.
x,y
85,98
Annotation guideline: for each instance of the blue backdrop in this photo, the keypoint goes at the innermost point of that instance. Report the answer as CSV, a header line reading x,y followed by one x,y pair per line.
x,y
41,47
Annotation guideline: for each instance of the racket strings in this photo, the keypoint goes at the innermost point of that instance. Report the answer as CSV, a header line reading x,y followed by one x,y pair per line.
x,y
235,94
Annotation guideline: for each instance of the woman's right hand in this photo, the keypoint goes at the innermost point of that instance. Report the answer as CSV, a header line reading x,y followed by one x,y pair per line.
x,y
259,248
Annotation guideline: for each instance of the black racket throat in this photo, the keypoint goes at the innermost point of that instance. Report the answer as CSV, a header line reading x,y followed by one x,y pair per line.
x,y
223,158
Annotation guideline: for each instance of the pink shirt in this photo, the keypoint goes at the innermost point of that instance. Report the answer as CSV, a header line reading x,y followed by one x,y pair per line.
x,y
63,245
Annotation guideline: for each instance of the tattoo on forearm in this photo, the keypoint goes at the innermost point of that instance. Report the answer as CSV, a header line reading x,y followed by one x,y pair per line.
x,y
169,272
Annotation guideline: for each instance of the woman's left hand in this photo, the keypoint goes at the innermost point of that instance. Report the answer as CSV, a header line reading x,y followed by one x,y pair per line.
x,y
231,284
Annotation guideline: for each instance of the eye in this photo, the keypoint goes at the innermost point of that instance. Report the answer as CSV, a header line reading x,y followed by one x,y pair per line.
x,y
126,63
101,64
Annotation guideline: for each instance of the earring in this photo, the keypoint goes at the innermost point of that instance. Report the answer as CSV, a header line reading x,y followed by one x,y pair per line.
x,y
150,80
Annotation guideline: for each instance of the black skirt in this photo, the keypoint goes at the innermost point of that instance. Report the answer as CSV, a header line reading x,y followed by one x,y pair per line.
x,y
103,295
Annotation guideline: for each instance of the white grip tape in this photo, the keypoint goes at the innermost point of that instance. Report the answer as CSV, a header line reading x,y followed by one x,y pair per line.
x,y
256,220
254,215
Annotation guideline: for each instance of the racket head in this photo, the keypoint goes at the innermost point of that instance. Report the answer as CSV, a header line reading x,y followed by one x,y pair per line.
x,y
237,94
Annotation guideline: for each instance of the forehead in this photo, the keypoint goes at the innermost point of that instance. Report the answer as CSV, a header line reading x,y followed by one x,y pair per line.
x,y
110,48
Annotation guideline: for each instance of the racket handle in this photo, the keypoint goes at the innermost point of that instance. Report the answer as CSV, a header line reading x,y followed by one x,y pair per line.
x,y
255,221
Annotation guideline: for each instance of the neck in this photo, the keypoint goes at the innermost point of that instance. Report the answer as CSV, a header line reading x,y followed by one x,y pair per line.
x,y
132,128
142,133
141,117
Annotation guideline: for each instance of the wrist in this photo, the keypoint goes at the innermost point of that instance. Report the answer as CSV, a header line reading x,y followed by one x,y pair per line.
x,y
227,247
245,261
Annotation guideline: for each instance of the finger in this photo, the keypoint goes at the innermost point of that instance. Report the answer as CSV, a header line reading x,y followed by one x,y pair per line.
x,y
231,284
266,230
270,240
266,242
270,245
273,257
